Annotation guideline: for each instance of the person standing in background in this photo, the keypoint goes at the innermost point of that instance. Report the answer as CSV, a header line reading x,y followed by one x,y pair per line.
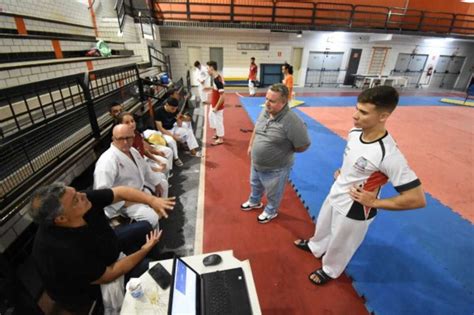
x,y
216,112
202,76
287,70
252,76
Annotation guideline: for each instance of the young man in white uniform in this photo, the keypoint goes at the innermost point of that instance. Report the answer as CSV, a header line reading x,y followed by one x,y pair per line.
x,y
202,76
122,165
371,157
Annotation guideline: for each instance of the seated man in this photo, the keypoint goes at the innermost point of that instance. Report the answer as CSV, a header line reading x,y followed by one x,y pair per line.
x,y
75,249
115,109
176,128
122,165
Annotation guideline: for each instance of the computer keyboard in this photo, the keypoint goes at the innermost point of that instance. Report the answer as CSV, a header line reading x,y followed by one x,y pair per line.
x,y
217,294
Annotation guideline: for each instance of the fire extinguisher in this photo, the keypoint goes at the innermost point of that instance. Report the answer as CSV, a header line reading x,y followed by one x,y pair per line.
x,y
429,72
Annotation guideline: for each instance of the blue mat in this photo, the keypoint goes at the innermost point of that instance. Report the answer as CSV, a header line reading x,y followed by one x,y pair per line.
x,y
344,101
411,262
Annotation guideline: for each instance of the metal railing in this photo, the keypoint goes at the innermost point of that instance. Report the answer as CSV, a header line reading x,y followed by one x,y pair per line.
x,y
46,122
315,16
159,59
120,9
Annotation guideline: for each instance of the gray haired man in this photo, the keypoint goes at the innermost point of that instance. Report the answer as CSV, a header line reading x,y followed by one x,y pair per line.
x,y
277,135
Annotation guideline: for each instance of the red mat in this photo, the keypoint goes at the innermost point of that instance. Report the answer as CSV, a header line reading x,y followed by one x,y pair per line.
x,y
437,142
280,270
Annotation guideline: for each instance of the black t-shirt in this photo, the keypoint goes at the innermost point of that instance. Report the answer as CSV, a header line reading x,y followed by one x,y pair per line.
x,y
167,119
69,259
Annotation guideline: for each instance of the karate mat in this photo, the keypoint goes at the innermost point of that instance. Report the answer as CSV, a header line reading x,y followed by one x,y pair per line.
x,y
351,100
458,101
413,262
279,269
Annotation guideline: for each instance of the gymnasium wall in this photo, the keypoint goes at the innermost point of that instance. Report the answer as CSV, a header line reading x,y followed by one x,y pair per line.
x,y
236,62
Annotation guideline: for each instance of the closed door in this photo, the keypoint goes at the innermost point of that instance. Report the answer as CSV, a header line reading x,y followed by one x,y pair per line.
x,y
217,54
353,66
194,54
323,68
447,71
296,63
411,66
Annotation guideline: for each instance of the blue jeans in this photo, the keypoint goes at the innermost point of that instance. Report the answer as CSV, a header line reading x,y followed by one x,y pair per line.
x,y
272,183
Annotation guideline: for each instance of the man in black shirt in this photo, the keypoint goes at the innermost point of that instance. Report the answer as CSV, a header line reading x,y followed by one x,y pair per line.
x,y
76,250
175,128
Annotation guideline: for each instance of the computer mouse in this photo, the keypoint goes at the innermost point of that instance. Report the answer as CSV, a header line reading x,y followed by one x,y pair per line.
x,y
212,260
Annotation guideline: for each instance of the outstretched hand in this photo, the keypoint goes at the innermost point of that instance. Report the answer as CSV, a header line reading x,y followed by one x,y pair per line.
x,y
161,205
364,197
152,239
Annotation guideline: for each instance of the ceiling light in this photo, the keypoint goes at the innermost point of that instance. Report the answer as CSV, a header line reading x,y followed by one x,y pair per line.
x,y
468,1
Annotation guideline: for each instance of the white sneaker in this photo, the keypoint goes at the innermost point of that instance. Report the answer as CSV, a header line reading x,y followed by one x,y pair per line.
x,y
246,206
265,217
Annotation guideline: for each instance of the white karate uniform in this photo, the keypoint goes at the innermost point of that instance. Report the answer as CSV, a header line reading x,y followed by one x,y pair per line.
x,y
202,76
342,222
114,168
185,133
216,121
168,152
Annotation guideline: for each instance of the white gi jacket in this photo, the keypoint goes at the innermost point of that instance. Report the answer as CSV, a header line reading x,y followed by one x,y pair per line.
x,y
115,168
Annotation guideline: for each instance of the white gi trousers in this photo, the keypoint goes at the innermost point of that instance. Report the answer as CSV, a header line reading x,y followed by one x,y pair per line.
x,y
202,93
252,89
337,237
186,133
167,159
216,121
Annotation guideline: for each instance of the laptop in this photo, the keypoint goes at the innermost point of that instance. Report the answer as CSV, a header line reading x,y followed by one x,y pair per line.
x,y
219,292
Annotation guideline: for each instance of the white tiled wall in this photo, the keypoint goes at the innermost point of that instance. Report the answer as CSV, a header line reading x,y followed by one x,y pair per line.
x,y
236,62
71,11
46,26
9,78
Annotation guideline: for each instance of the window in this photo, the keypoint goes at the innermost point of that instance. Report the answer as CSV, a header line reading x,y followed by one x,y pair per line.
x,y
253,46
170,44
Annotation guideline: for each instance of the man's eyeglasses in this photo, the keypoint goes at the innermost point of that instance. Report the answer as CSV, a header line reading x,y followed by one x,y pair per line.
x,y
269,121
124,138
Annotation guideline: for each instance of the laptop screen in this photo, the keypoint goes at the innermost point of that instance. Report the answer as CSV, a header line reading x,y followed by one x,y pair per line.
x,y
184,291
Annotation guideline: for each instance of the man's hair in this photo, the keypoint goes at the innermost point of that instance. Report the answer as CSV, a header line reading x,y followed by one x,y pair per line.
x,y
253,58
113,104
45,204
171,101
212,64
197,64
282,89
383,97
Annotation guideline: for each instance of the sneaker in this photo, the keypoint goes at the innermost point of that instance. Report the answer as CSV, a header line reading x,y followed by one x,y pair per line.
x,y
246,206
178,162
265,217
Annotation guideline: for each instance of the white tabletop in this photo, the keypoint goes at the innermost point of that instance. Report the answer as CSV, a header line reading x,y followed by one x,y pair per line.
x,y
155,300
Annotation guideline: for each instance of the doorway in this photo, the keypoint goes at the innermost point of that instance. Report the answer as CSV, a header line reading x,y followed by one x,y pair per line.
x,y
217,54
296,63
323,68
447,72
410,66
352,67
194,53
